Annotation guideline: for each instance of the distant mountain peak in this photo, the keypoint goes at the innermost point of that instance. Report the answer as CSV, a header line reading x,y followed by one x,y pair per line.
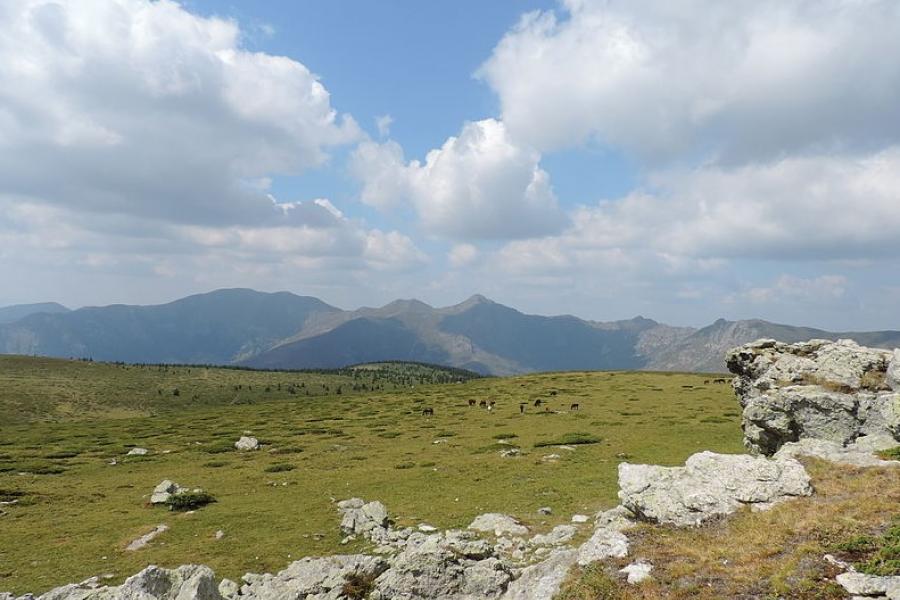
x,y
474,300
410,304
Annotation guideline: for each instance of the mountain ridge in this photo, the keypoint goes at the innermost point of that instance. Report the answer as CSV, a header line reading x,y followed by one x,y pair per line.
x,y
283,330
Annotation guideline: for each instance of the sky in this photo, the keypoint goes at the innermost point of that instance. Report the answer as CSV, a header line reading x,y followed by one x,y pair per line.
x,y
683,160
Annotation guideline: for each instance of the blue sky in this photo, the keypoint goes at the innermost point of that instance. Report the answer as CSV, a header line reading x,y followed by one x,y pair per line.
x,y
684,161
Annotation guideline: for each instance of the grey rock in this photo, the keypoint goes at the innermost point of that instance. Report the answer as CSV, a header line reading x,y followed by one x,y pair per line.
x,y
451,567
542,580
709,485
558,535
188,582
164,491
857,454
311,578
892,376
247,443
605,543
364,518
229,589
138,452
637,571
870,585
580,518
145,539
834,391
617,519
498,524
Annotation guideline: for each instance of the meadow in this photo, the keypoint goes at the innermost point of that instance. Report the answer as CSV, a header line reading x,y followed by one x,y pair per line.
x,y
63,423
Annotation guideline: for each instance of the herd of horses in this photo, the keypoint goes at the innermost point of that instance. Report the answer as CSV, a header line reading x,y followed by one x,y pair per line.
x,y
489,404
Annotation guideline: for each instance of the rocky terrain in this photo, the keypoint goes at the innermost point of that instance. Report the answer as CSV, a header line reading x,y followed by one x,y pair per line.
x,y
835,401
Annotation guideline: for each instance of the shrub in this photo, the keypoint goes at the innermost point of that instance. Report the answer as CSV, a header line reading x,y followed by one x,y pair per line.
x,y
215,464
280,468
405,465
63,454
220,446
189,500
287,450
890,453
358,585
570,439
505,436
885,561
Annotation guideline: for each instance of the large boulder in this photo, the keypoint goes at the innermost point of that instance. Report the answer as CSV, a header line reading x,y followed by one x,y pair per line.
x,y
187,582
454,566
543,580
834,391
359,517
860,453
314,578
709,485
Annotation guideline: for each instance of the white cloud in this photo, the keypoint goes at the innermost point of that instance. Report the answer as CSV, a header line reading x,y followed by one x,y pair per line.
x,y
142,108
825,288
809,208
479,185
740,80
383,123
462,255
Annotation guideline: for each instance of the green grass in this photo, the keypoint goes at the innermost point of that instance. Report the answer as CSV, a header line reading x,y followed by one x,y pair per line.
x,y
890,453
77,512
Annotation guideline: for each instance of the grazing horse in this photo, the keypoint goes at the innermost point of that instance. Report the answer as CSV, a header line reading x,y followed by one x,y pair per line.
x,y
427,411
574,406
706,382
471,402
522,407
482,404
552,392
491,404
538,402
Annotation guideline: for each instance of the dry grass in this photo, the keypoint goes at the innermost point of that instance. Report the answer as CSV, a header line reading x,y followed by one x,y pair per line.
x,y
764,555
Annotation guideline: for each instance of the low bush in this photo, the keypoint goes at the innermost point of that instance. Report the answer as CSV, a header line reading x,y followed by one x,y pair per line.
x,y
570,439
280,468
189,500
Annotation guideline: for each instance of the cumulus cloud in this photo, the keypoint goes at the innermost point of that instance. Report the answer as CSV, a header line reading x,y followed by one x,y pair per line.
x,y
140,140
805,208
462,255
478,185
824,288
143,108
734,81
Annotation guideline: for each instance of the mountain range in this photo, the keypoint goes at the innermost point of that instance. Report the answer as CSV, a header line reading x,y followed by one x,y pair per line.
x,y
285,331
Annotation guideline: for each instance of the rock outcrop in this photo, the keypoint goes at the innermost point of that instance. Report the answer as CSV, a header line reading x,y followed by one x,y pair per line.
x,y
709,485
313,578
192,582
833,391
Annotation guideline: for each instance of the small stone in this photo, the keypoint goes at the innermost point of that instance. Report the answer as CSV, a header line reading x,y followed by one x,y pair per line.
x,y
545,510
637,572
425,528
247,443
142,541
580,518
219,534
138,452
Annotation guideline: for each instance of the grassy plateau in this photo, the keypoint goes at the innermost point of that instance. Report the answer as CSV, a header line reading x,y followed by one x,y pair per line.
x,y
69,513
